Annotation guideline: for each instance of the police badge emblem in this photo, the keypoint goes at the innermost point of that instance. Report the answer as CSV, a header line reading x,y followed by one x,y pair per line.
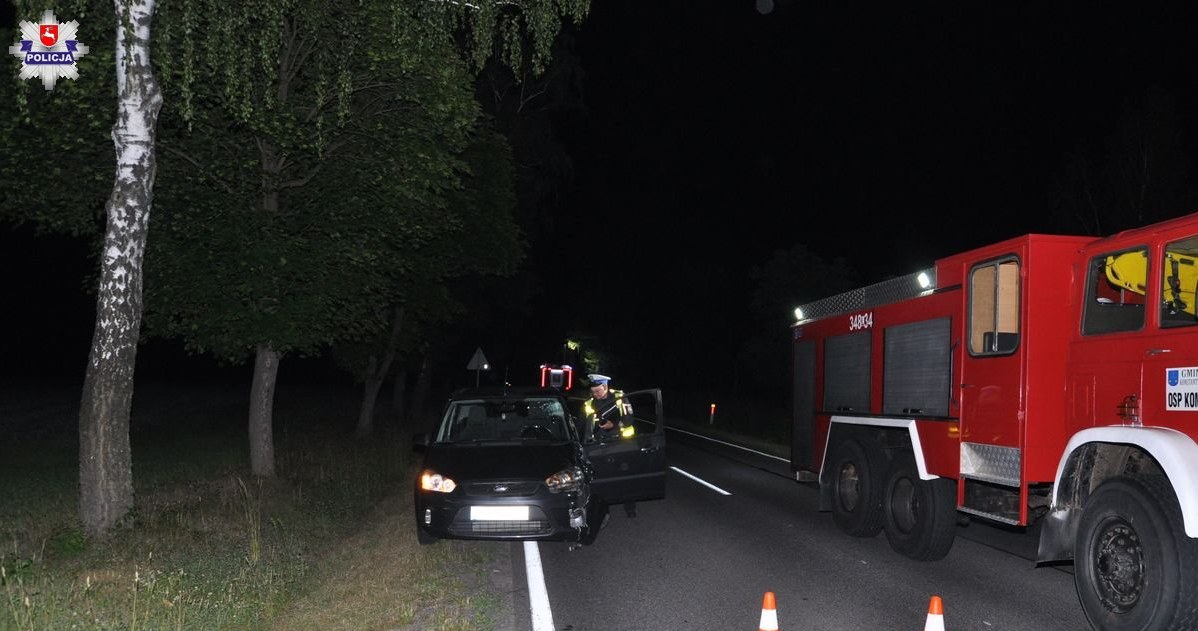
x,y
49,34
49,50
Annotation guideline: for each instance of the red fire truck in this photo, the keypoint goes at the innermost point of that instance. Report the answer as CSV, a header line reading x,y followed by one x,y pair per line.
x,y
1043,378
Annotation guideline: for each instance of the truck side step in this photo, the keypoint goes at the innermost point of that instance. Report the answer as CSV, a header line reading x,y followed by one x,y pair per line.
x,y
994,501
993,463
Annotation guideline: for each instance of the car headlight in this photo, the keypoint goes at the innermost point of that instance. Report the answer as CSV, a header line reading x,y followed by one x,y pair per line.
x,y
432,481
565,480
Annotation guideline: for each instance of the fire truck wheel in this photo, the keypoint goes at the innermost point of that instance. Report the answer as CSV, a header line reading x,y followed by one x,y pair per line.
x,y
1135,567
856,471
920,516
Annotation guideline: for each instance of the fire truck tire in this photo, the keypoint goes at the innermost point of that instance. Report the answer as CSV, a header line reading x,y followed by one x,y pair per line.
x,y
1135,567
919,516
856,478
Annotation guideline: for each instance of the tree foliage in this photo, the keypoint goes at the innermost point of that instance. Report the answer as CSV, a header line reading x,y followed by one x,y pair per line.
x,y
317,172
61,135
1136,175
327,151
790,278
485,242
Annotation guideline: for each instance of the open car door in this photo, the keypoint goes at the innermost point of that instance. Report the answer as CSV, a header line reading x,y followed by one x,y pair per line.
x,y
632,468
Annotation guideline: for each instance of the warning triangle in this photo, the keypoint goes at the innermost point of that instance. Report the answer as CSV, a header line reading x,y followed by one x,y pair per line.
x,y
478,361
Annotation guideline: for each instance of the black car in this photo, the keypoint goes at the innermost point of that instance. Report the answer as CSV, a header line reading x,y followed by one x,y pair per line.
x,y
516,464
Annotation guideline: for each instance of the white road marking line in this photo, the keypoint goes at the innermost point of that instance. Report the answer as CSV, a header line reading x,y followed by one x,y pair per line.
x,y
759,453
701,481
538,596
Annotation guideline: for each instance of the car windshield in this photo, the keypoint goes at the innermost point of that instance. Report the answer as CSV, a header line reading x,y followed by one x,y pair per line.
x,y
481,420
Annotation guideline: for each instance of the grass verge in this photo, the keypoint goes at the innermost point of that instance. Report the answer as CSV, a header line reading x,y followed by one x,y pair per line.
x,y
327,544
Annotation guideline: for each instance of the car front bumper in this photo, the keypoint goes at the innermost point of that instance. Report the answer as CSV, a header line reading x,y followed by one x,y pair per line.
x,y
450,516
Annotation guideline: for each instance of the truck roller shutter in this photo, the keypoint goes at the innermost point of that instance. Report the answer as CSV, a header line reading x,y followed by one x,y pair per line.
x,y
846,373
802,452
917,368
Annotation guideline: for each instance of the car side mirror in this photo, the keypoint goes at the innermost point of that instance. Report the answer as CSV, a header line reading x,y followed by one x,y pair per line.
x,y
419,442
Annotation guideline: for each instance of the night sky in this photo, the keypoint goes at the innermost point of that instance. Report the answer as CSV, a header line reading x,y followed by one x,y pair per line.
x,y
880,133
709,135
891,136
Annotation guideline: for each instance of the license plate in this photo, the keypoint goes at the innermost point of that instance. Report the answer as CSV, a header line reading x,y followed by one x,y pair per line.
x,y
499,513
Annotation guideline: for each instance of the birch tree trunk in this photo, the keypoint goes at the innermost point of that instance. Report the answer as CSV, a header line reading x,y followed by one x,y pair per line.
x,y
105,466
262,402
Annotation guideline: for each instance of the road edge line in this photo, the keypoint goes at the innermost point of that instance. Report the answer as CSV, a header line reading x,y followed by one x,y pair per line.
x,y
538,595
741,447
701,481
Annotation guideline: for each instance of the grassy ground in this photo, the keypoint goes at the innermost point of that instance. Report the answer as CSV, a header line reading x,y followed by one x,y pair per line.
x,y
328,544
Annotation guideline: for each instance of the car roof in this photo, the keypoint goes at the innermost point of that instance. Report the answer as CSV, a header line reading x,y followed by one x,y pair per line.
x,y
496,392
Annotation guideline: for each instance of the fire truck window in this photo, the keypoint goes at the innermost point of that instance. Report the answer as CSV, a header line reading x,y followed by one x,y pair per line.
x,y
1179,280
994,308
1116,286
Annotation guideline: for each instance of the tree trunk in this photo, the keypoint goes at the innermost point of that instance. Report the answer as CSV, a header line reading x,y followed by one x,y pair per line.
x,y
420,392
374,381
262,400
266,360
375,375
398,394
105,459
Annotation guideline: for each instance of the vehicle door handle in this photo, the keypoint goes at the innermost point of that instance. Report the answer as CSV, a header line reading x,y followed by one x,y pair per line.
x,y
1159,351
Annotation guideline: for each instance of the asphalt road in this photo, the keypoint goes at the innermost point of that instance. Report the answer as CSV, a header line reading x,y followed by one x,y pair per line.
x,y
701,560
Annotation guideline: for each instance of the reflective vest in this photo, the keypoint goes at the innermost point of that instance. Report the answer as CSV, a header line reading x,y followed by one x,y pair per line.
x,y
613,398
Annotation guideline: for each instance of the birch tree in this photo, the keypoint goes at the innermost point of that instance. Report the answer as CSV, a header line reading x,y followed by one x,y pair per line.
x,y
105,459
60,134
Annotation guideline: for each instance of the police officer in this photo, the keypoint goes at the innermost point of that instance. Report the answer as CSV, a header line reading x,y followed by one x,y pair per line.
x,y
606,409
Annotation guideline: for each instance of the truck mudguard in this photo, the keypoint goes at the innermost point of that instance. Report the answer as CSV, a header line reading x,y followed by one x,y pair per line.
x,y
877,421
1176,453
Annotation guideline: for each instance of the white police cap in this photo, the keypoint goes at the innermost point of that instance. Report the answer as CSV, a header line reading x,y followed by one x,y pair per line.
x,y
598,380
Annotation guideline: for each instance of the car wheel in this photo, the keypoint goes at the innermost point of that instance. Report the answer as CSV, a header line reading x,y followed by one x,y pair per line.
x,y
920,516
856,481
1134,566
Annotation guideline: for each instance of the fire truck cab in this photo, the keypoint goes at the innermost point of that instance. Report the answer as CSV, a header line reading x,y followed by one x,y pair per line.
x,y
1049,378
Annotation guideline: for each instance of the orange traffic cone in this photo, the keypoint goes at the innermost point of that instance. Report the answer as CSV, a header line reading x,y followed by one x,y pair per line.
x,y
769,614
935,615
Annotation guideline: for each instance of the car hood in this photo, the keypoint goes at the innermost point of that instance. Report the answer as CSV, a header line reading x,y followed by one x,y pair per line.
x,y
499,462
